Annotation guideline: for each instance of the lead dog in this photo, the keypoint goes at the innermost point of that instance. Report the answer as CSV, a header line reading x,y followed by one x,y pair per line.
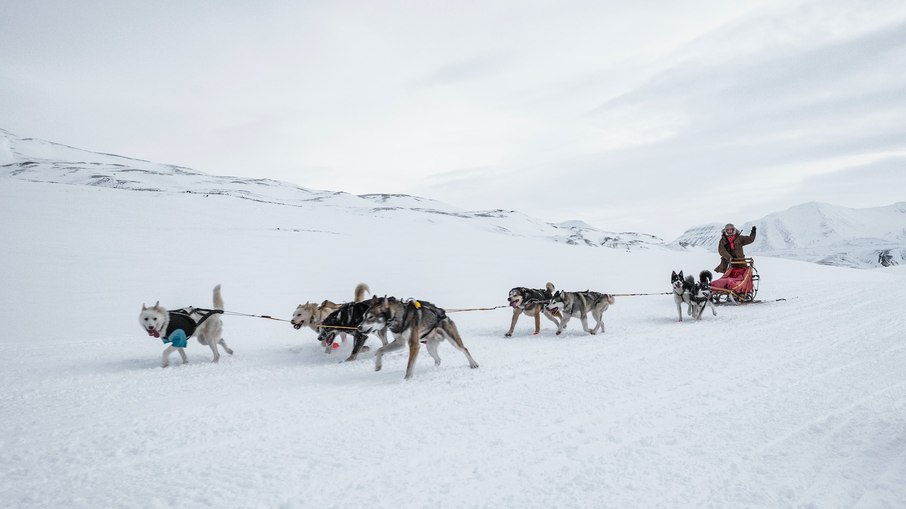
x,y
531,302
312,315
579,304
179,325
412,322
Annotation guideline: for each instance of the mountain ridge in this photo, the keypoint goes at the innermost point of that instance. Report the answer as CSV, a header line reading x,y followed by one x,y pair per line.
x,y
812,231
821,233
38,160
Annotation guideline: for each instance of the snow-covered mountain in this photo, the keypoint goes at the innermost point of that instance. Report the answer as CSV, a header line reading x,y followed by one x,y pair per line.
x,y
813,232
43,161
821,233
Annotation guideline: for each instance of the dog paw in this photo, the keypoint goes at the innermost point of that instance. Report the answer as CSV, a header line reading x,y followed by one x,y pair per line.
x,y
508,335
558,332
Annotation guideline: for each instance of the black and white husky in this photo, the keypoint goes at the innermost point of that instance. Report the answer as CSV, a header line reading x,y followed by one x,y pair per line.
x,y
579,304
177,326
695,295
701,295
346,320
412,322
682,292
312,315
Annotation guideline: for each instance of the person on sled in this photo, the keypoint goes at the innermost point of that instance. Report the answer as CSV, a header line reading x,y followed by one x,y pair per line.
x,y
730,246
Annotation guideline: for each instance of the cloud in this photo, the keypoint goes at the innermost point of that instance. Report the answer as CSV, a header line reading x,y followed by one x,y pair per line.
x,y
728,134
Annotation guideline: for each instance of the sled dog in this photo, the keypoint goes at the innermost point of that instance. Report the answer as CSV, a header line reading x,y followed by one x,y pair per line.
x,y
312,315
701,295
412,322
682,292
579,304
177,326
531,302
346,320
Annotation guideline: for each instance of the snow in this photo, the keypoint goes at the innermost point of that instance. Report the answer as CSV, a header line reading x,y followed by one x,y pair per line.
x,y
798,403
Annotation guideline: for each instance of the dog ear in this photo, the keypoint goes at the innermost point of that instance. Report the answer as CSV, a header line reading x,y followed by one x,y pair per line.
x,y
681,274
143,306
157,304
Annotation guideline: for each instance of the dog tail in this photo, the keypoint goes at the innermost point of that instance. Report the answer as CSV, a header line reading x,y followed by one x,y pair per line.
x,y
360,290
218,300
550,287
608,299
705,277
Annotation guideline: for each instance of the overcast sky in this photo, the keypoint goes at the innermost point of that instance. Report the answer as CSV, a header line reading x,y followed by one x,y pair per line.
x,y
651,117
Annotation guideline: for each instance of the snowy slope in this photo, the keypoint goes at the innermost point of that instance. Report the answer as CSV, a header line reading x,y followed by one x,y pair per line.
x,y
35,160
789,404
821,233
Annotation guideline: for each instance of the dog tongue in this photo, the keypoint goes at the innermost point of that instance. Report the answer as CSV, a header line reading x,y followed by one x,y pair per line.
x,y
154,333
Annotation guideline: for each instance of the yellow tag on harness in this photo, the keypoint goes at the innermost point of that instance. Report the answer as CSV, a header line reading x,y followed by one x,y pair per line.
x,y
417,304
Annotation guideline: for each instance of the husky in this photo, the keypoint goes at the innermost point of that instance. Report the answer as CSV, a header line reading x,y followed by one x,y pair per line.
x,y
412,322
701,295
313,315
176,327
682,292
531,302
579,304
346,320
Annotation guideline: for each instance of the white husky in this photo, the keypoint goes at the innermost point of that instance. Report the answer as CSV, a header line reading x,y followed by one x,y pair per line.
x,y
176,327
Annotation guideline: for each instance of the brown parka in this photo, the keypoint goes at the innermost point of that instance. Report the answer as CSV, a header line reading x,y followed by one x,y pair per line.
x,y
726,253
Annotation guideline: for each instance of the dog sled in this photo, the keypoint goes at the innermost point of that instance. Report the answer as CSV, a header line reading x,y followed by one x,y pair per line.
x,y
738,285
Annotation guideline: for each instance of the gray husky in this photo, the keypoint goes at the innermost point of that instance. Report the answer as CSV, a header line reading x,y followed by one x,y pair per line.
x,y
531,302
411,322
177,326
579,304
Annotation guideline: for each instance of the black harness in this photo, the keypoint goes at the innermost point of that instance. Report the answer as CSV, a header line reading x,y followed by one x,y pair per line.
x,y
182,319
414,307
532,296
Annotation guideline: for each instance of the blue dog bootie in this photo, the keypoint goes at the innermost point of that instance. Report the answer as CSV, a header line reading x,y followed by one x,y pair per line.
x,y
177,338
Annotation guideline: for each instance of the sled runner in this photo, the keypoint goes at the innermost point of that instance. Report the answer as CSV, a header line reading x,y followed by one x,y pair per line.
x,y
738,285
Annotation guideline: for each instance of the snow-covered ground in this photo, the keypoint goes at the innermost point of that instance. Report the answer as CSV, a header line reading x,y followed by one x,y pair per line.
x,y
800,403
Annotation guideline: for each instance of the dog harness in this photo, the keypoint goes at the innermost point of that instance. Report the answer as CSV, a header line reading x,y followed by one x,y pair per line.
x,y
533,296
182,327
415,306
